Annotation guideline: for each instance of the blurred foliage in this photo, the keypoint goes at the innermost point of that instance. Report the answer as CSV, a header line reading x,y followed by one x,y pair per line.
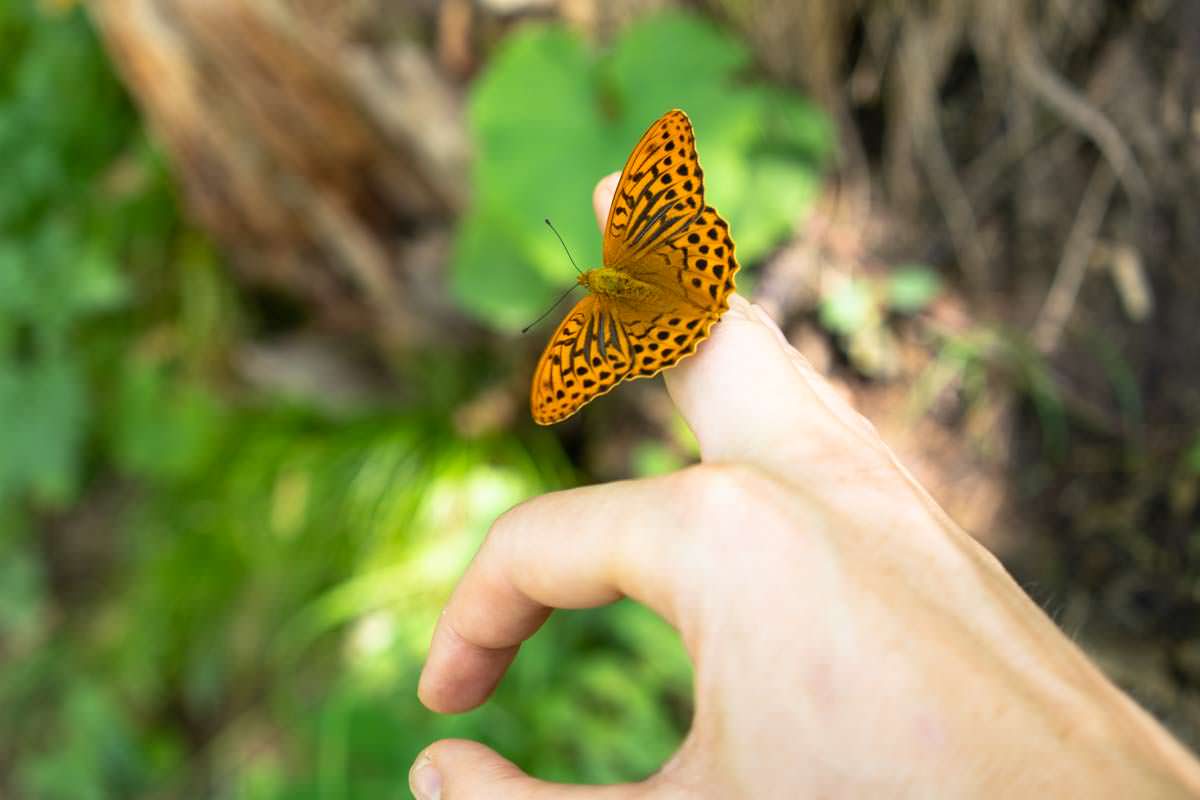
x,y
910,289
853,305
275,612
859,311
61,230
984,362
1191,458
550,117
204,593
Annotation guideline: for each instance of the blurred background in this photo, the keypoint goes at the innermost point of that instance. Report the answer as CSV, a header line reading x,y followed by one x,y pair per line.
x,y
262,268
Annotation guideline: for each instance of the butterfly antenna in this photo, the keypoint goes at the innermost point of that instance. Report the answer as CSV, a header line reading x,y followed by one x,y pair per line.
x,y
564,244
548,310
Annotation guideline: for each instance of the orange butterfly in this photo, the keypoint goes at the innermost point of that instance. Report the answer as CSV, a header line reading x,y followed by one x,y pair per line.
x,y
667,276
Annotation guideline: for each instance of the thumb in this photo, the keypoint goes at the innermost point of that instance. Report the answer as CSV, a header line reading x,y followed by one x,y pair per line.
x,y
749,396
457,769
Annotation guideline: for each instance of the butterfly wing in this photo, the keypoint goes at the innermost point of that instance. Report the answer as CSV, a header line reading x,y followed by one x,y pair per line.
x,y
588,355
660,193
603,341
695,274
659,229
696,267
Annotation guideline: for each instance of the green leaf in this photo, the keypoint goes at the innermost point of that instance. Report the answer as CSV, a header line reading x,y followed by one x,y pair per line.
x,y
97,283
22,590
18,295
672,60
542,158
43,416
550,117
849,308
94,749
163,429
910,289
652,458
492,274
1191,459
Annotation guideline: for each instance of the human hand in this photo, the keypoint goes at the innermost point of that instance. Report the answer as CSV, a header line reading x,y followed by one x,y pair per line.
x,y
848,638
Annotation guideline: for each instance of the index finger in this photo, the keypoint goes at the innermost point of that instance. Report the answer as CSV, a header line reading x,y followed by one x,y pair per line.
x,y
578,548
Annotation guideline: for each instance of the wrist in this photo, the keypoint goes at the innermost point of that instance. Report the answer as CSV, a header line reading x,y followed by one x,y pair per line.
x,y
1141,753
1092,736
1088,737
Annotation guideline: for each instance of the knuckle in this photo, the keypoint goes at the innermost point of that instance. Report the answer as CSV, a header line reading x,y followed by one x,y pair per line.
x,y
739,525
505,522
506,541
500,530
724,493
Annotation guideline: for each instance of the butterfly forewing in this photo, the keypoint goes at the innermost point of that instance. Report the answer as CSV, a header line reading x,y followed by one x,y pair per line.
x,y
661,191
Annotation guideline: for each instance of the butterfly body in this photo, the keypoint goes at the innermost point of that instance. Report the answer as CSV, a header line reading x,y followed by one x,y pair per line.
x,y
619,285
667,275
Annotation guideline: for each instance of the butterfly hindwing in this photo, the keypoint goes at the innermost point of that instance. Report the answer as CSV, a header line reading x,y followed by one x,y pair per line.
x,y
660,339
698,265
588,355
661,191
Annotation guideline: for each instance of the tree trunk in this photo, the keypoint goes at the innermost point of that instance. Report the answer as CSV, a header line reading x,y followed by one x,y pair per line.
x,y
319,146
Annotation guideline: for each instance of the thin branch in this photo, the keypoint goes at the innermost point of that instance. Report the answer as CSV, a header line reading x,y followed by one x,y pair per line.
x,y
1081,114
1060,299
920,104
956,207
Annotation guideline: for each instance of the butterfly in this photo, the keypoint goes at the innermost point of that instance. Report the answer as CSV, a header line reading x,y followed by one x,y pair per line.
x,y
667,276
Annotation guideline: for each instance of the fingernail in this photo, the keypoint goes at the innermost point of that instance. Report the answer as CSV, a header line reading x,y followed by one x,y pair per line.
x,y
424,779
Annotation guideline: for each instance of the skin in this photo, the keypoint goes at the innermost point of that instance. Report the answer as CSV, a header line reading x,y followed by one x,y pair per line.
x,y
849,640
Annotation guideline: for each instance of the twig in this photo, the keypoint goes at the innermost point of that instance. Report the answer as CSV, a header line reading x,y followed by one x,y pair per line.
x,y
1060,299
956,207
1078,112
931,149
